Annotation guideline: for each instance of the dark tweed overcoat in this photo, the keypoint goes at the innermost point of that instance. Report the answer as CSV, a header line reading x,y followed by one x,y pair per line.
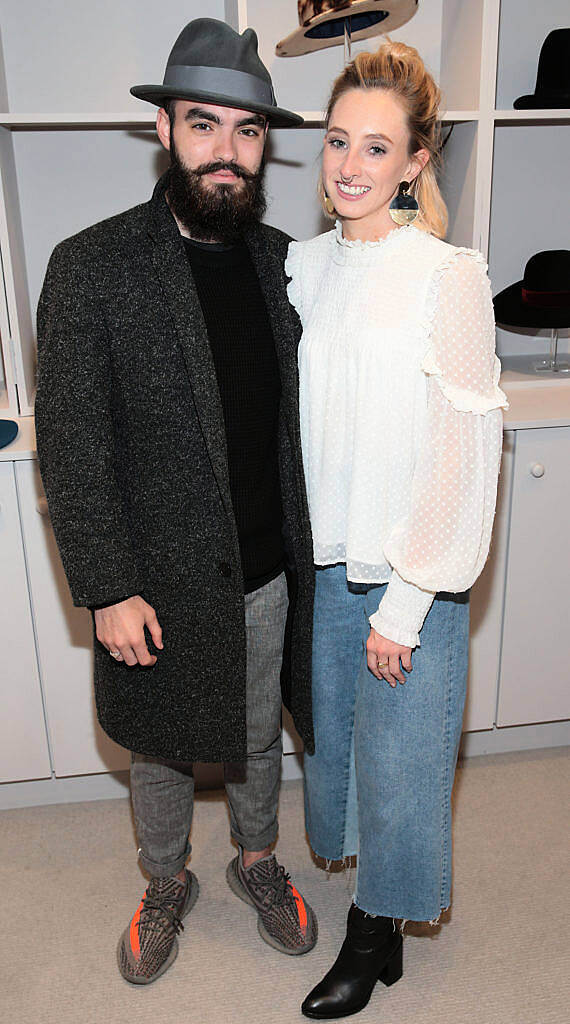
x,y
132,452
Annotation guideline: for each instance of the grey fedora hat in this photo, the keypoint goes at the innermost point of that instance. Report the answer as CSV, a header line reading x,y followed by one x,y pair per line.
x,y
211,62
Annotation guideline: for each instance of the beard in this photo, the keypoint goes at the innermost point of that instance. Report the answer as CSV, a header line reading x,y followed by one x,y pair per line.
x,y
215,213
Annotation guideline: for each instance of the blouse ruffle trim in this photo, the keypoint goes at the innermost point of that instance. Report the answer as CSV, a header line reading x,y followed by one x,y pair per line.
x,y
392,631
460,398
357,243
293,269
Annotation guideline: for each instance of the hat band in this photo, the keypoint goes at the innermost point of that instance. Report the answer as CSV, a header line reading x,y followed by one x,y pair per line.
x,y
533,298
225,81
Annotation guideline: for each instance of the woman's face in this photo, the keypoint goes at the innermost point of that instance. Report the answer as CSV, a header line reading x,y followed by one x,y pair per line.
x,y
366,156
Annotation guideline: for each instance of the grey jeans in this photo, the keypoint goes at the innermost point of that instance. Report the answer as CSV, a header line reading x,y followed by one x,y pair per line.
x,y
162,791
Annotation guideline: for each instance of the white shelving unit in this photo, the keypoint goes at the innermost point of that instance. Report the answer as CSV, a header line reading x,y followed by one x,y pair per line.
x,y
75,148
53,116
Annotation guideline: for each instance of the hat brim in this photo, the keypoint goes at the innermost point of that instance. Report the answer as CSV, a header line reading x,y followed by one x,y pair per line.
x,y
299,42
276,116
542,101
8,432
511,311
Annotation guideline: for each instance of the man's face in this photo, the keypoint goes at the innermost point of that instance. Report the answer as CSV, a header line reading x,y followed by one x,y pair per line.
x,y
216,167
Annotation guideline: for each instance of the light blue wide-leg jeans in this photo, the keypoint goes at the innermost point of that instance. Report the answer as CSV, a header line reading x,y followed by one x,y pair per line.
x,y
379,783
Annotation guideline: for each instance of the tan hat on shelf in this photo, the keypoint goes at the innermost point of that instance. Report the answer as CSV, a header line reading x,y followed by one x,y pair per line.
x,y
322,22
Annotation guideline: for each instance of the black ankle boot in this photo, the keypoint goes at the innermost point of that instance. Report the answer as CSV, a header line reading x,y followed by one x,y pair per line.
x,y
371,952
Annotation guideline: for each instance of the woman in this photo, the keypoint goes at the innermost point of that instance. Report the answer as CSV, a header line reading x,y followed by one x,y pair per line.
x,y
401,430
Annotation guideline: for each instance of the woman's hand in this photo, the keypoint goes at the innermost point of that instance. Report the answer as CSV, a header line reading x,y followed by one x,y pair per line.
x,y
384,658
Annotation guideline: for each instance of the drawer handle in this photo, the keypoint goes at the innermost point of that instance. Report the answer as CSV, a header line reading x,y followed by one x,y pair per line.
x,y
42,507
537,470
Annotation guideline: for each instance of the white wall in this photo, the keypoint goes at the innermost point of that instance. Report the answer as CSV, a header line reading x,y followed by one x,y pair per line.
x,y
124,43
529,212
524,26
103,171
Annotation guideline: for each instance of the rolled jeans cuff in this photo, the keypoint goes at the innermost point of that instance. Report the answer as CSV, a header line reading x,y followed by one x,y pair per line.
x,y
162,870
256,843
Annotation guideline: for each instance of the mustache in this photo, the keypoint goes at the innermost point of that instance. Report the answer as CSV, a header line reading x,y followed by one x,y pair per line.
x,y
230,165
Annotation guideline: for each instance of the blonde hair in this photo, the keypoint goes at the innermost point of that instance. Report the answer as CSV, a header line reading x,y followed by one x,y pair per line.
x,y
399,69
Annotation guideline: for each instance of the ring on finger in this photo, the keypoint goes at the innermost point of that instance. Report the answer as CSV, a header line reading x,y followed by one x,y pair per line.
x,y
116,655
382,664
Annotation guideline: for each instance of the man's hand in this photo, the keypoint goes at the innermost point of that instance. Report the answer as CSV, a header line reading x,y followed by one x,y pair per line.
x,y
120,628
384,657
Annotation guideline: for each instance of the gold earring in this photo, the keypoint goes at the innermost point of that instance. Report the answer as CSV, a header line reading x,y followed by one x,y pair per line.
x,y
404,208
329,205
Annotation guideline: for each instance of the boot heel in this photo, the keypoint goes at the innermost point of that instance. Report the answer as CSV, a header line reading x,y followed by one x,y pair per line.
x,y
394,968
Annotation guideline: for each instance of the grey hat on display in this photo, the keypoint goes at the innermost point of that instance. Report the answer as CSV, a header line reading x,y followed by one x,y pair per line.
x,y
212,63
323,22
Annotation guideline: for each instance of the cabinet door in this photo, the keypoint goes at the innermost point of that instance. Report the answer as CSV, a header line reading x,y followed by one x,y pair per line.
x,y
23,740
486,616
535,667
79,745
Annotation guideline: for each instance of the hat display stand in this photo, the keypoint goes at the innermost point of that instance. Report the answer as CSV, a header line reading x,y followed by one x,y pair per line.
x,y
552,363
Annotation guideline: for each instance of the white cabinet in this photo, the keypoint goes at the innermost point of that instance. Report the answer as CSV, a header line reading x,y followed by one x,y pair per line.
x,y
535,664
79,745
519,644
486,611
23,742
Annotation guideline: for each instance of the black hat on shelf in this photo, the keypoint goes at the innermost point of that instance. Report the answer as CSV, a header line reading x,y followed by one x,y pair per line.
x,y
542,298
209,62
552,88
8,431
321,22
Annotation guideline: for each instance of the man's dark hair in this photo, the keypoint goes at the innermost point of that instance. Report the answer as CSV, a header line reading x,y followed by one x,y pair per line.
x,y
169,106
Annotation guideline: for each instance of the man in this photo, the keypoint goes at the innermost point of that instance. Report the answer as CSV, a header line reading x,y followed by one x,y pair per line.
x,y
168,438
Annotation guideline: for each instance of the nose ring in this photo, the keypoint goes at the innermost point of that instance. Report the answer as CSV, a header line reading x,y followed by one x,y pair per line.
x,y
345,179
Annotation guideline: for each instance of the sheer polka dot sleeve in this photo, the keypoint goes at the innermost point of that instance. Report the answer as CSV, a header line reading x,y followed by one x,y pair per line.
x,y
461,352
443,542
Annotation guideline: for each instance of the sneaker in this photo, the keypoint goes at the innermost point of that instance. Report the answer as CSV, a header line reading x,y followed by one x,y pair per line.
x,y
149,946
284,919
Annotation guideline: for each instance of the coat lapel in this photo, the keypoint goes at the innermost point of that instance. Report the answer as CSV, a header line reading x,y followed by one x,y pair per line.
x,y
173,271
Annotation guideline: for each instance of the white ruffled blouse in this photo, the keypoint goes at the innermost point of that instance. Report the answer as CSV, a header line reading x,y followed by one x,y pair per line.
x,y
401,421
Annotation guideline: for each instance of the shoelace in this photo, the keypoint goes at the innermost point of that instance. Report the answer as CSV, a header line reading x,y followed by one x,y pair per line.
x,y
160,907
278,888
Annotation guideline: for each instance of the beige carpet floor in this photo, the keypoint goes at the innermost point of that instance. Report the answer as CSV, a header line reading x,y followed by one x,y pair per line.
x,y
69,883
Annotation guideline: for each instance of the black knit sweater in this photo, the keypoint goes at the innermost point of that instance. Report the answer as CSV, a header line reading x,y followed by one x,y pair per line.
x,y
241,340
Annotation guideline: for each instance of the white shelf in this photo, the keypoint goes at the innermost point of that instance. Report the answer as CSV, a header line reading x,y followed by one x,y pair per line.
x,y
144,120
101,119
532,116
536,402
448,116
